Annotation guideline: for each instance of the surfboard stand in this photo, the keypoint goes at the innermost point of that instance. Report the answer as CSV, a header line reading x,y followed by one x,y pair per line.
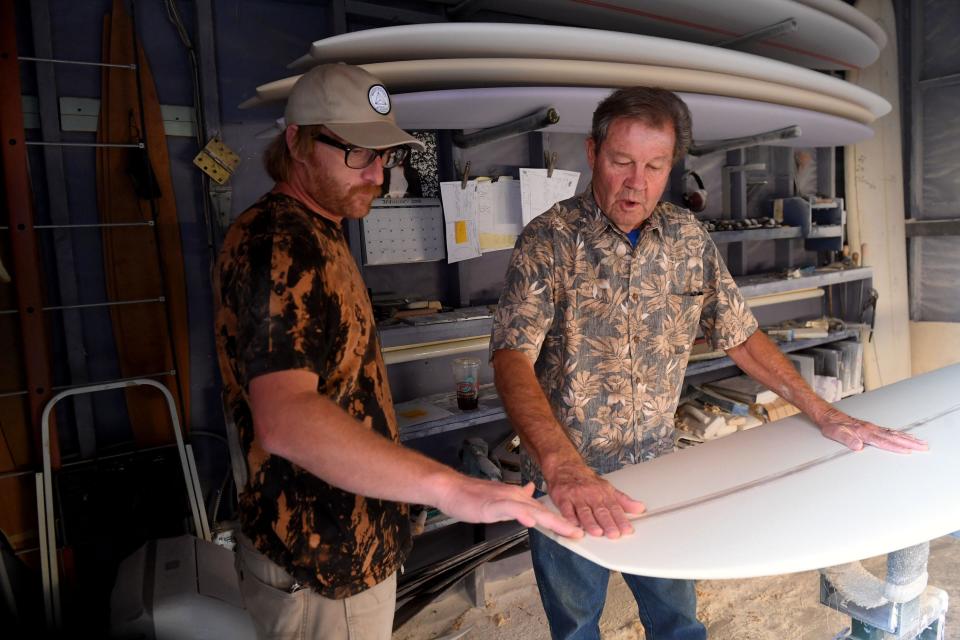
x,y
921,618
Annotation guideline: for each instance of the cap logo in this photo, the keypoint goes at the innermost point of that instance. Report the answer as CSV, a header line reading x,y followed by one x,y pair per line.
x,y
379,99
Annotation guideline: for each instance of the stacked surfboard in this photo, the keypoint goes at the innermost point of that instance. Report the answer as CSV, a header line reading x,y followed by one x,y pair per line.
x,y
474,75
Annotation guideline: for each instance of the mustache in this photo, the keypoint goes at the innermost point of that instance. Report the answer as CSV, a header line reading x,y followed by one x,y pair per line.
x,y
632,194
367,191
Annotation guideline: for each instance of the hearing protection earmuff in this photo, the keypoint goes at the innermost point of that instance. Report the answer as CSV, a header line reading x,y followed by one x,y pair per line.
x,y
694,199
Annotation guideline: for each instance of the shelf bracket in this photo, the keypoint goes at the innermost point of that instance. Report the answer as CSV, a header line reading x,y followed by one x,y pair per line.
x,y
544,118
778,29
786,133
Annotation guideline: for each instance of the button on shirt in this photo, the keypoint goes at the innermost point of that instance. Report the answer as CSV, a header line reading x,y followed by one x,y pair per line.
x,y
609,326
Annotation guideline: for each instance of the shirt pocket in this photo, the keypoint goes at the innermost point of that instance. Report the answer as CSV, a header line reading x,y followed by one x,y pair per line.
x,y
684,308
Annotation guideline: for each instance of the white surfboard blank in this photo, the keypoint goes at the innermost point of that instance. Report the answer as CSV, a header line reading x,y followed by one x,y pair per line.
x,y
423,75
782,498
714,117
824,38
499,40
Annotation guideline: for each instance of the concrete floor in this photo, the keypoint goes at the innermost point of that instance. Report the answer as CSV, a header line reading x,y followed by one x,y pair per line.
x,y
773,608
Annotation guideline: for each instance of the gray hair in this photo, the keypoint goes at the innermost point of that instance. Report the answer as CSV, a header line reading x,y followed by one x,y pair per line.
x,y
652,106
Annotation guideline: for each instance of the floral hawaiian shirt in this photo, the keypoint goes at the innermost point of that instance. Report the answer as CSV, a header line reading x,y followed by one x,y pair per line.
x,y
289,296
609,326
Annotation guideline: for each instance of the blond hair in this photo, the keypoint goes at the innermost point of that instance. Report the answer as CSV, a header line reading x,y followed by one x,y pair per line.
x,y
277,158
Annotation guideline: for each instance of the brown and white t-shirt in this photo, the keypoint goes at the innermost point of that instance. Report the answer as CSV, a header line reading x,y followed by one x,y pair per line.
x,y
289,296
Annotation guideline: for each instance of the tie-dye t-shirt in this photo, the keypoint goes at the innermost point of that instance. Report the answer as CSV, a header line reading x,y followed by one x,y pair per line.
x,y
289,296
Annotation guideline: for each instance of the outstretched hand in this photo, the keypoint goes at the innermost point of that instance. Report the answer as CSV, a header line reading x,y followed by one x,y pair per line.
x,y
485,501
855,434
585,498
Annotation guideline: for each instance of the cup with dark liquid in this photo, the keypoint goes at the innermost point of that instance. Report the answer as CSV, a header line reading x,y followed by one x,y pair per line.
x,y
465,373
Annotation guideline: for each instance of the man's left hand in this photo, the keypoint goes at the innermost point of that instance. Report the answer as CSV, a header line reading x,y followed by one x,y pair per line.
x,y
855,434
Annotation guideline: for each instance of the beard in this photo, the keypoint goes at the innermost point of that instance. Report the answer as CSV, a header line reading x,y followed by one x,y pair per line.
x,y
350,202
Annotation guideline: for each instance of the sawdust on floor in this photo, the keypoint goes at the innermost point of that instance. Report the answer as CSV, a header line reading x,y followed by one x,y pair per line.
x,y
774,608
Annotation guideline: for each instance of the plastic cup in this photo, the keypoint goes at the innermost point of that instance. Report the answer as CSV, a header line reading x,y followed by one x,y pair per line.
x,y
465,371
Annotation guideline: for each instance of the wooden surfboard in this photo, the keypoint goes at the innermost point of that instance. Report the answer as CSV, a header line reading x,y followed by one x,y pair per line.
x,y
499,40
455,73
714,117
823,39
141,262
782,498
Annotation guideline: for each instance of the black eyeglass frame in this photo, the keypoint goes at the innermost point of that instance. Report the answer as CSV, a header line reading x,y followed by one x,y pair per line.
x,y
392,157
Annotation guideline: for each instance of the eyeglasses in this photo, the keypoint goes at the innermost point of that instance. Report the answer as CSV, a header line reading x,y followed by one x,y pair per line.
x,y
361,157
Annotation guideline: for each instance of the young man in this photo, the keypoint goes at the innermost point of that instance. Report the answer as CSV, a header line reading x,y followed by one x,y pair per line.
x,y
324,521
602,301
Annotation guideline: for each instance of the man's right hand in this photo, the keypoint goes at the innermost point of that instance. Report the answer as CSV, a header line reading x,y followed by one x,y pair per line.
x,y
472,500
585,498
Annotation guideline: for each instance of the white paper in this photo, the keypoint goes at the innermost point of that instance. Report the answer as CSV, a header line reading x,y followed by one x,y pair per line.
x,y
499,214
460,220
538,192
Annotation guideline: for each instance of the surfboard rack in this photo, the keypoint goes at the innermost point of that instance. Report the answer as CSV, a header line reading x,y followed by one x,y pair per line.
x,y
541,119
786,133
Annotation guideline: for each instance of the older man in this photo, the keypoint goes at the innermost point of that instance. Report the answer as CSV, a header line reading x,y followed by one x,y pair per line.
x,y
604,295
324,523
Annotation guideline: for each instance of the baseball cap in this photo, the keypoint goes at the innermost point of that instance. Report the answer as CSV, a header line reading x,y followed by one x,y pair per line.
x,y
351,103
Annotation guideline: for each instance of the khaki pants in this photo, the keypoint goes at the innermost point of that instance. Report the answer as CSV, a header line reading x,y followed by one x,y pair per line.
x,y
280,611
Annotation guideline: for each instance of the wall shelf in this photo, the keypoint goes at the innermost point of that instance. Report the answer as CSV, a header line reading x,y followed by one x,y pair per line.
x,y
704,366
491,409
452,325
761,285
478,321
742,235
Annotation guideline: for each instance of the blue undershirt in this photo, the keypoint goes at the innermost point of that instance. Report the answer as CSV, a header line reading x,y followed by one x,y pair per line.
x,y
634,236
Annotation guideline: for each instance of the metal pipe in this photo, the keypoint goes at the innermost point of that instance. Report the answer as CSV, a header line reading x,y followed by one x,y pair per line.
x,y
40,143
543,118
102,225
80,62
93,305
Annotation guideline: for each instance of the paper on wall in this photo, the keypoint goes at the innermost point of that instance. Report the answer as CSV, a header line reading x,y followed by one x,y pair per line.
x,y
538,192
499,215
460,220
